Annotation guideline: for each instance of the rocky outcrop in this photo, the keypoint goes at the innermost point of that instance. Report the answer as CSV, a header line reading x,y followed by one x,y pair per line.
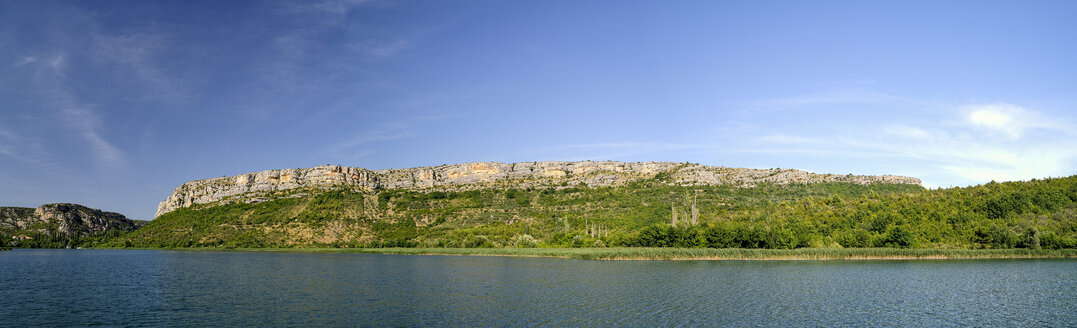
x,y
11,218
493,174
71,219
82,220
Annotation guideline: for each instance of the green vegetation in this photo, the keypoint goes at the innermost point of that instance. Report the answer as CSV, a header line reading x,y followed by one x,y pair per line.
x,y
324,219
1032,215
42,235
667,253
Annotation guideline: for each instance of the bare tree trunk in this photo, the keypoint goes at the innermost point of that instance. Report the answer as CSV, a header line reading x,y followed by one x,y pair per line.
x,y
673,210
695,212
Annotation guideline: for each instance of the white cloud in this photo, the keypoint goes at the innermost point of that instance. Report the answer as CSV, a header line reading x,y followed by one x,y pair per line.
x,y
992,119
973,155
963,145
1008,119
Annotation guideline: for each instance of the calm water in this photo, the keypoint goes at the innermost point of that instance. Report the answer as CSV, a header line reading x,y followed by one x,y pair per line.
x,y
175,288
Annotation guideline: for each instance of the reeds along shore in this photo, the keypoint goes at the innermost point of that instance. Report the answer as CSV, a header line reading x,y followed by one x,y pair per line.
x,y
633,253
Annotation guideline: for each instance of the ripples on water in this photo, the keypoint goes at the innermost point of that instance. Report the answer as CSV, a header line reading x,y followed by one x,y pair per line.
x,y
176,288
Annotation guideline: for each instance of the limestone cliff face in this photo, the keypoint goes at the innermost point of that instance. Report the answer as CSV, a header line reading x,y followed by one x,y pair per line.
x,y
212,190
493,174
64,218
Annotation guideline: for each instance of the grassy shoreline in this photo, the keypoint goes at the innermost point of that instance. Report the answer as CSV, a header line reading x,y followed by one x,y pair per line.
x,y
737,254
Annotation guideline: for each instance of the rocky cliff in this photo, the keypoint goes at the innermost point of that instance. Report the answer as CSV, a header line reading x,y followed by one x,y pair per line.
x,y
492,174
71,219
12,218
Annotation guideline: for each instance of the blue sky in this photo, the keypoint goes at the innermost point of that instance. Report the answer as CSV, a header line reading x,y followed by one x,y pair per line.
x,y
112,104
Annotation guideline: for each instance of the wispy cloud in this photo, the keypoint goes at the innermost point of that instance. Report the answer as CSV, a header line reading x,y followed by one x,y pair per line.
x,y
301,63
338,7
381,48
781,138
25,60
385,132
1001,142
1010,120
362,144
85,124
903,131
610,150
840,96
15,146
53,65
141,55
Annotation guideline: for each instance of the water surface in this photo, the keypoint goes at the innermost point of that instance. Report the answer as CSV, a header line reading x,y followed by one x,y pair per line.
x,y
182,288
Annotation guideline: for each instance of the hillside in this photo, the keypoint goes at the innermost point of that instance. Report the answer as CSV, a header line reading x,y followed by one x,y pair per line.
x,y
60,225
663,206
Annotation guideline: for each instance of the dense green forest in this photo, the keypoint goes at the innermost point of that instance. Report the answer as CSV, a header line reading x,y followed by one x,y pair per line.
x,y
650,213
38,239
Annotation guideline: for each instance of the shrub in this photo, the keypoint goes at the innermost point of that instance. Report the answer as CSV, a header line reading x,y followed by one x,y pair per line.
x,y
898,237
1031,239
854,238
1052,241
478,241
525,241
995,236
783,238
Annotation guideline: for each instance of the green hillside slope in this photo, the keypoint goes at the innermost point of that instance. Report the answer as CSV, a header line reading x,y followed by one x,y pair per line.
x,y
1032,214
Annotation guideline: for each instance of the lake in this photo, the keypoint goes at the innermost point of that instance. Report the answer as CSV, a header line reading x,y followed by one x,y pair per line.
x,y
192,288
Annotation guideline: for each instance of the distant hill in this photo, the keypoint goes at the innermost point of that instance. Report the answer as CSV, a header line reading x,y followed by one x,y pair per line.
x,y
596,204
59,225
